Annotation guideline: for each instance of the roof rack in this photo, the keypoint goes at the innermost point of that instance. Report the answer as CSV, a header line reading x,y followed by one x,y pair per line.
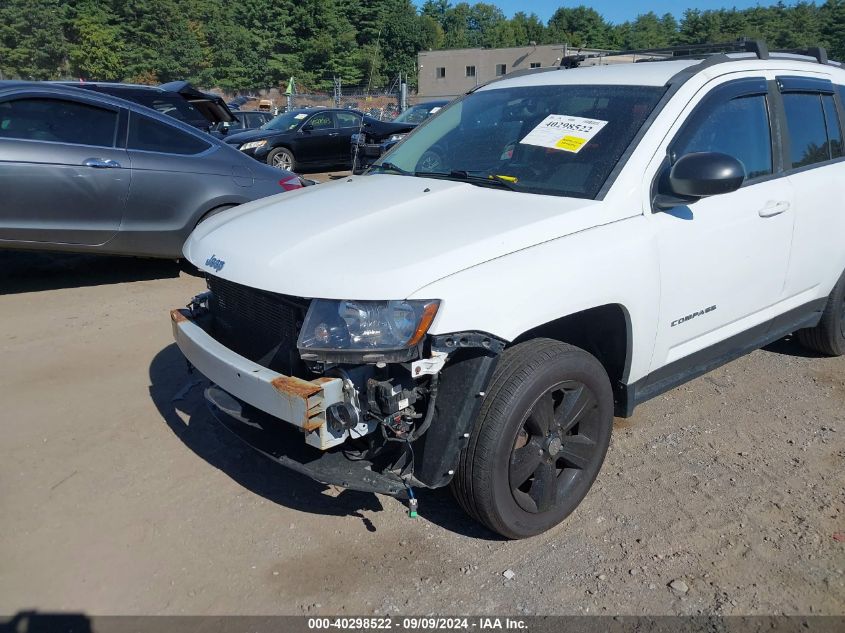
x,y
814,51
684,51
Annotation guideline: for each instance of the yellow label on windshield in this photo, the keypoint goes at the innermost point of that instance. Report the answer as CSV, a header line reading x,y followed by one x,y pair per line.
x,y
570,143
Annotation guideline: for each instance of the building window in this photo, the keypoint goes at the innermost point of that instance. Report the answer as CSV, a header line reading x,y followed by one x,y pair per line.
x,y
536,64
470,71
501,69
440,73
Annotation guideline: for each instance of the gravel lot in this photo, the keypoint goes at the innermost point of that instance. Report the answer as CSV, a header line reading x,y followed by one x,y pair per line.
x,y
119,494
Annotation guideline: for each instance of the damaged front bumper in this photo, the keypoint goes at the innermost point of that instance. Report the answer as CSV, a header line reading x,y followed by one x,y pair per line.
x,y
264,434
255,402
302,403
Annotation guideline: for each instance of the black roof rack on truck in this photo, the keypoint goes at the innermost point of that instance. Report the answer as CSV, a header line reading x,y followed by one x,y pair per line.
x,y
709,54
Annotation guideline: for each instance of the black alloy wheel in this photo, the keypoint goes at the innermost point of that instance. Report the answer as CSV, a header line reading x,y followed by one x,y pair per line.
x,y
556,447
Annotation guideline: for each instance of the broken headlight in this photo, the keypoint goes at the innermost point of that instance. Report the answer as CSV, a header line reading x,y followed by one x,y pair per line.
x,y
369,331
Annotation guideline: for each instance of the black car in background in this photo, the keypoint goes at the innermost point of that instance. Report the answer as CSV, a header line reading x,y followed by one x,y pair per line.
x,y
303,140
247,120
177,99
377,137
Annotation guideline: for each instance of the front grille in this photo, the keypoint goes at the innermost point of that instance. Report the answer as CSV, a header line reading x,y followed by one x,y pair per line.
x,y
261,326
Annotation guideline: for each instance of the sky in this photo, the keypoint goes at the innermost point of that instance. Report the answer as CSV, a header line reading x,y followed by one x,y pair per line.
x,y
618,10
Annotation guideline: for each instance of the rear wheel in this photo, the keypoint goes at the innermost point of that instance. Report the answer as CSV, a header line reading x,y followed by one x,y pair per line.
x,y
282,158
828,337
539,441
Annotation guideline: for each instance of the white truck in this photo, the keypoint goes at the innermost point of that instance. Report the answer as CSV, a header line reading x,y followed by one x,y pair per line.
x,y
549,250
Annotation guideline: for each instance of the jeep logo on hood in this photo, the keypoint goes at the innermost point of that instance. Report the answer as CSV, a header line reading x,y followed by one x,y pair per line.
x,y
216,264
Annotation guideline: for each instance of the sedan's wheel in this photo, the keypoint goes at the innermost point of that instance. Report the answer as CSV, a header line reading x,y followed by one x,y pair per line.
x,y
281,158
540,439
828,337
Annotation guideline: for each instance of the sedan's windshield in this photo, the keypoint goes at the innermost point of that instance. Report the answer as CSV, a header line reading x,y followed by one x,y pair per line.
x,y
560,140
286,121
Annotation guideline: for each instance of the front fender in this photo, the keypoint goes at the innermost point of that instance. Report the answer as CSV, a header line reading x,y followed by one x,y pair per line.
x,y
615,263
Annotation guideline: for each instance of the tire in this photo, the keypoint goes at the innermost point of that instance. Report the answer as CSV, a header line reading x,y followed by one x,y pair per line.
x,y
282,158
828,337
510,436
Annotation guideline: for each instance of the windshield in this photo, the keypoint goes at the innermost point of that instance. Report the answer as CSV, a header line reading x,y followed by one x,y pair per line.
x,y
286,121
416,114
557,140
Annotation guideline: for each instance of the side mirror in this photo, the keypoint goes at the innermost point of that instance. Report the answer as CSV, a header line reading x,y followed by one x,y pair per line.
x,y
699,175
307,127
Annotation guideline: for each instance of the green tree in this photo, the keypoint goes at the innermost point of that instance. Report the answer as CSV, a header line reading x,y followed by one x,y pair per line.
x,y
832,17
32,41
580,26
96,50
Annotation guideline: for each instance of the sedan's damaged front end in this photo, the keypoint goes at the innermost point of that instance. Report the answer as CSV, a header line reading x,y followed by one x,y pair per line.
x,y
377,403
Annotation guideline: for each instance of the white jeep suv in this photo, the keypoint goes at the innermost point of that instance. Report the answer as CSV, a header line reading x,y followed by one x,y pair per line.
x,y
550,249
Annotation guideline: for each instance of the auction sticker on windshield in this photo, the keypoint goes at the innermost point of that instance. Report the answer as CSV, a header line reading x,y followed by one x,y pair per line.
x,y
564,132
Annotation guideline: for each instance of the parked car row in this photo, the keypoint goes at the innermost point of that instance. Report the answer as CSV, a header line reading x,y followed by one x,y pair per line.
x,y
135,170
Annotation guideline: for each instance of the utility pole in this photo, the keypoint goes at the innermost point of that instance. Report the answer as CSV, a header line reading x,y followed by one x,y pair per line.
x,y
403,93
337,91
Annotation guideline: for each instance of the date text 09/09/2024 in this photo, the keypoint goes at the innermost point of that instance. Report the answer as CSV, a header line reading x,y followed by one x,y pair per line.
x,y
418,624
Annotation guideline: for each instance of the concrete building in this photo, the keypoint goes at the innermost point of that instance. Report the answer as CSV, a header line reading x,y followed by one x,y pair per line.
x,y
449,73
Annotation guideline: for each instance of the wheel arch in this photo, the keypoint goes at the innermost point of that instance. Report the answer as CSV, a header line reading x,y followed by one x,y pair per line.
x,y
605,331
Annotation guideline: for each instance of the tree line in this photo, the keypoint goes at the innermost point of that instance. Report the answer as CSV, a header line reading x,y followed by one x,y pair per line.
x,y
248,44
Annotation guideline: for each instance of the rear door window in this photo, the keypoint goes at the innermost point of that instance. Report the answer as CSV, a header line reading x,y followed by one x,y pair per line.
x,y
834,127
805,120
58,121
150,135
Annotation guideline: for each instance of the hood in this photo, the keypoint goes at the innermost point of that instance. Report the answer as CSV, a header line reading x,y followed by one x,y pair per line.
x,y
379,236
385,128
210,105
251,135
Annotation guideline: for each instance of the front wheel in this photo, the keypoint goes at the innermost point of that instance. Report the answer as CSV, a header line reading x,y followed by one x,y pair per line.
x,y
281,158
539,441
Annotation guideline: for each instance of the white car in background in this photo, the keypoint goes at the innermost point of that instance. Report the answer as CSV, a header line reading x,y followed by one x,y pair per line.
x,y
553,248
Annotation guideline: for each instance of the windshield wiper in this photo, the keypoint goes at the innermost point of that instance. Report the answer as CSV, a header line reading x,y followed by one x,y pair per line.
x,y
392,167
481,179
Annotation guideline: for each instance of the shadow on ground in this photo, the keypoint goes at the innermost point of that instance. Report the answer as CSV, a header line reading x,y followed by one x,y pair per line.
x,y
23,271
178,398
790,346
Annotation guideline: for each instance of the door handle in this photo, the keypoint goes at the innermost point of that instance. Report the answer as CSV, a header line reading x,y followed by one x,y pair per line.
x,y
774,208
101,163
334,133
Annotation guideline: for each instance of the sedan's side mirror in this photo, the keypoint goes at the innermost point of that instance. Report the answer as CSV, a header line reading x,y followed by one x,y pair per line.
x,y
307,127
699,175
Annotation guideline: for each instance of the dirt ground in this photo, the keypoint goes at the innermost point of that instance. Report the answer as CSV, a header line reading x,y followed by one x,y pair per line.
x,y
119,494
